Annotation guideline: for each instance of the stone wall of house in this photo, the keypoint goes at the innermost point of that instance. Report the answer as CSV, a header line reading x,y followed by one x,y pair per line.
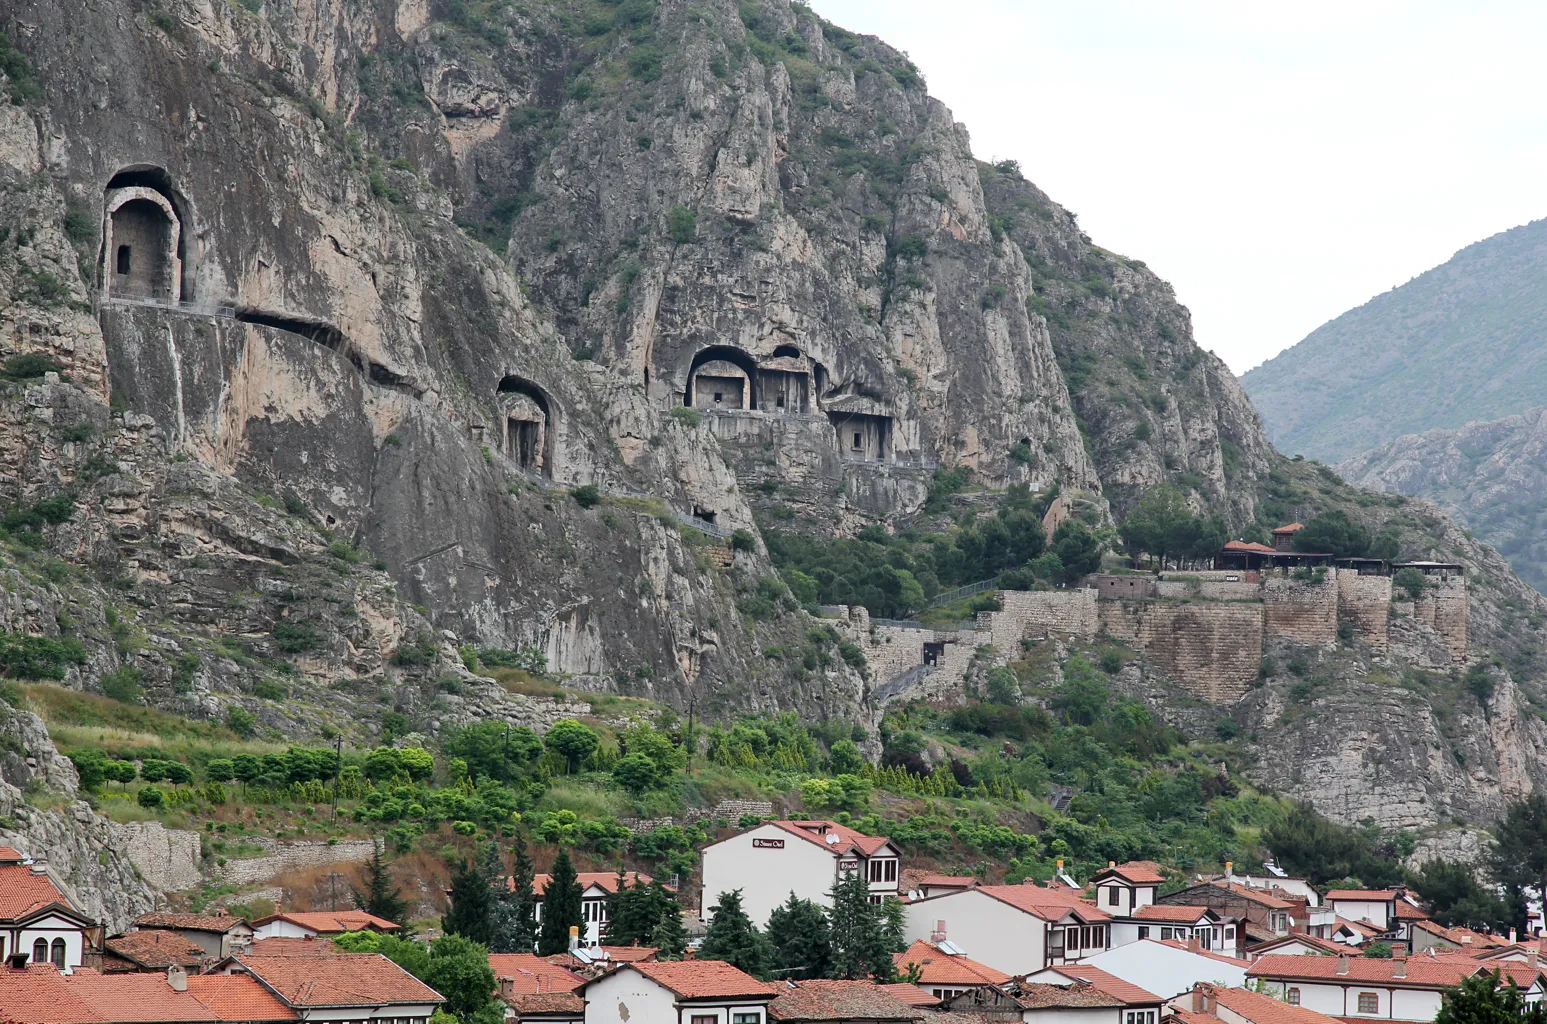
x,y
1443,606
1213,649
1302,610
1365,601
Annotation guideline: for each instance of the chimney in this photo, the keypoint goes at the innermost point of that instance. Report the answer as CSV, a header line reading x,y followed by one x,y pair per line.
x,y
938,935
38,867
1343,964
177,978
1198,999
1229,869
1111,864
574,937
1192,943
1534,957
1512,936
1399,967
508,987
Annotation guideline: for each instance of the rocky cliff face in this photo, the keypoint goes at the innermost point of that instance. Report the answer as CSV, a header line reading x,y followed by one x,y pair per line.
x,y
1491,475
344,299
85,858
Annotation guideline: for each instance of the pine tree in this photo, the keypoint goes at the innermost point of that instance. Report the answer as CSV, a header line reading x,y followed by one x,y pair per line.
x,y
734,938
799,938
503,932
561,907
858,933
523,913
381,897
894,924
468,915
668,936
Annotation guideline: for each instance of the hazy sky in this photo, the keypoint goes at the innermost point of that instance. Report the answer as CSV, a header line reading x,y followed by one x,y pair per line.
x,y
1277,163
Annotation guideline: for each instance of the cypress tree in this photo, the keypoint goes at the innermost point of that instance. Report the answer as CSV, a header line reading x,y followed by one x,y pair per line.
x,y
468,915
798,935
523,904
734,939
858,933
381,897
894,924
561,908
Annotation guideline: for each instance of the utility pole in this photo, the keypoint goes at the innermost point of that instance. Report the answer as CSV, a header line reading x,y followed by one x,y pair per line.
x,y
505,758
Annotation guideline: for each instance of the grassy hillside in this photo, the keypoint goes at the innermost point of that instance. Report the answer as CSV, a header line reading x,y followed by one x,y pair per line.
x,y
1464,341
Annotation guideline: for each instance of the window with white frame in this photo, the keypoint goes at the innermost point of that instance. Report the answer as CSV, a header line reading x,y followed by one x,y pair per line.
x,y
747,1017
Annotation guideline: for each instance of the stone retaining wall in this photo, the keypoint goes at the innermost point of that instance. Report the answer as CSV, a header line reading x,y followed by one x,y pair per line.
x,y
290,856
730,810
1365,601
167,858
1444,607
1302,610
1213,649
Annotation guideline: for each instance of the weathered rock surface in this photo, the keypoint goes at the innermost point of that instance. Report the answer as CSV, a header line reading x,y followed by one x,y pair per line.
x,y
84,855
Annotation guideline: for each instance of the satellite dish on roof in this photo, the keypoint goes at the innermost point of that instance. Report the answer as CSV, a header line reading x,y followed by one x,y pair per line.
x,y
832,840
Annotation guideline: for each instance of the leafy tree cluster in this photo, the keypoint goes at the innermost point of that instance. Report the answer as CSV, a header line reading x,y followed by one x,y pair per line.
x,y
1306,844
1335,533
1162,524
38,657
893,575
455,966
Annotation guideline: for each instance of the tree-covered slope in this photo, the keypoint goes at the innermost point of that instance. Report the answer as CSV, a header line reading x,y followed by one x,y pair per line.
x,y
1464,341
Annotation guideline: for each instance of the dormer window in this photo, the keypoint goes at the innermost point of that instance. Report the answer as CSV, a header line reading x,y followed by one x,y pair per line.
x,y
1114,896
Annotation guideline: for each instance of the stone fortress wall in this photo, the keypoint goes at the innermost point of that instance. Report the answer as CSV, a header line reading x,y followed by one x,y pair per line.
x,y
1205,630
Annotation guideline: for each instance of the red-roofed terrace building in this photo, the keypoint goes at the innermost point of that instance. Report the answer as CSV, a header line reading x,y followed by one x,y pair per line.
x,y
36,918
349,988
807,858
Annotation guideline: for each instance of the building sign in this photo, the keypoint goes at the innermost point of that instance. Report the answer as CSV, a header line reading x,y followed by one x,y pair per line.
x,y
768,844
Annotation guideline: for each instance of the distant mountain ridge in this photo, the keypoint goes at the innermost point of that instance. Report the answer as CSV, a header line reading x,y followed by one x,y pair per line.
x,y
1466,341
1492,474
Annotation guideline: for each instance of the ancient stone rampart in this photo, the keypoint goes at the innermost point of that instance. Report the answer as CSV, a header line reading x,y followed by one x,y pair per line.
x,y
1365,601
1443,605
1213,649
1037,612
1305,610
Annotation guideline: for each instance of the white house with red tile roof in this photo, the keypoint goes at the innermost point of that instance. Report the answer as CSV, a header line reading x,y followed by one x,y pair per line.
x,y
1211,930
1012,928
1122,889
1299,944
350,988
1135,1004
310,924
36,918
1400,988
1372,906
677,992
943,970
1167,968
595,888
1207,1004
777,858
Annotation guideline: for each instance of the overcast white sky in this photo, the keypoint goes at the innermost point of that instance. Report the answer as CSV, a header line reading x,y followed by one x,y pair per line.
x,y
1277,163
